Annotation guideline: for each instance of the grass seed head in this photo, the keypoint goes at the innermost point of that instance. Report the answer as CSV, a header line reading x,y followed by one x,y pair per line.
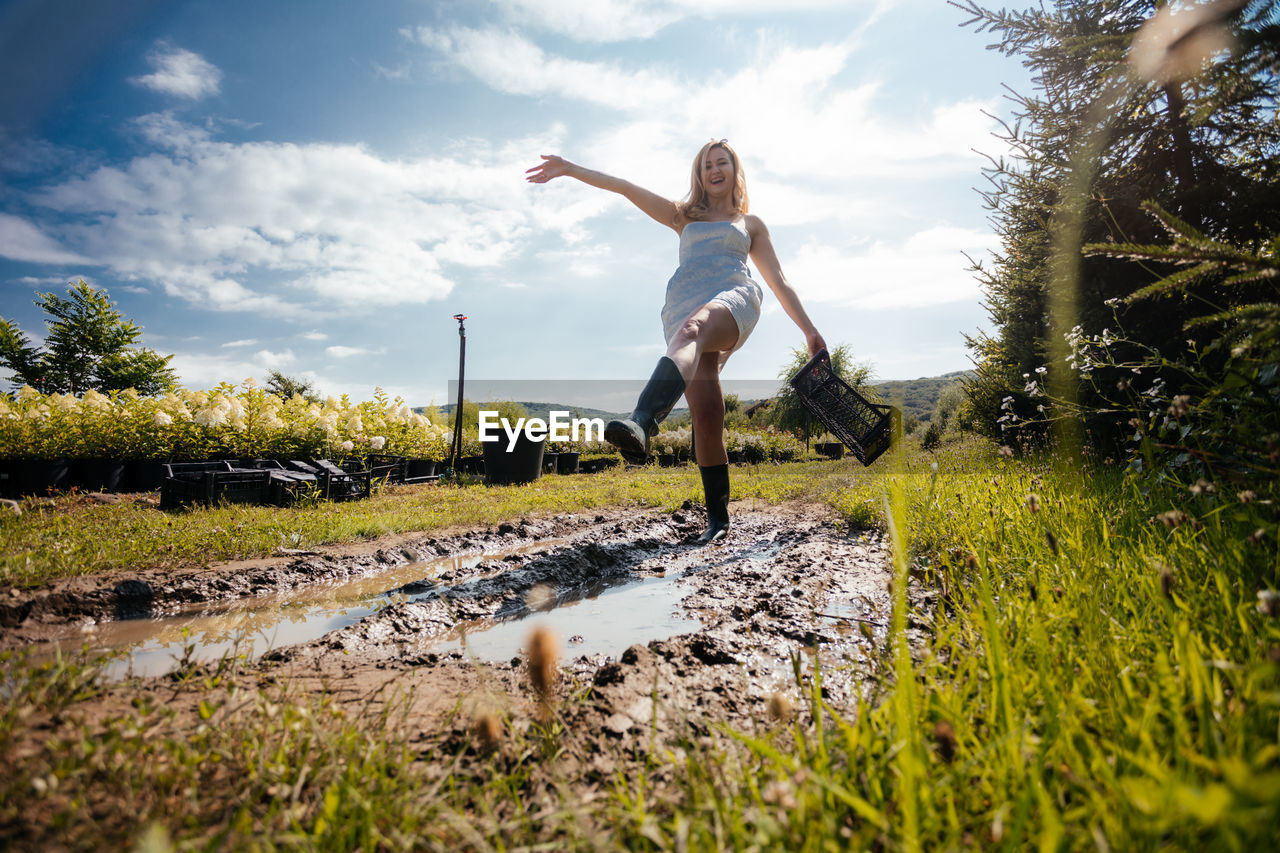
x,y
779,793
540,597
1180,406
1166,581
971,562
1248,496
543,651
1268,602
779,708
944,738
1052,541
1033,502
487,730
1202,487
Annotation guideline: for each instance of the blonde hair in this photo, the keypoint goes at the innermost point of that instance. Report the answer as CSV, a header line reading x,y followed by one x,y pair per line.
x,y
695,205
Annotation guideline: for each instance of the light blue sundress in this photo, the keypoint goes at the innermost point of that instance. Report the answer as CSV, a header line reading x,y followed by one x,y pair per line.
x,y
713,267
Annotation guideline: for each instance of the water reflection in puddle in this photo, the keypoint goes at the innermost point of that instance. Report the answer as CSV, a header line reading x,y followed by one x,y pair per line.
x,y
254,626
602,619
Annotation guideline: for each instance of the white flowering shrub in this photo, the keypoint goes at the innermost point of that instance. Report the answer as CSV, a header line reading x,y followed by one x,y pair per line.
x,y
223,422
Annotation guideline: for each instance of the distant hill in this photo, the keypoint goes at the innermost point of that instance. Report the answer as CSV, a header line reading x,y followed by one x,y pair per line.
x,y
543,410
918,396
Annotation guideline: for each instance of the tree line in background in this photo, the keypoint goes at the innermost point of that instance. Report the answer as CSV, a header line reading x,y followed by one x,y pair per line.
x,y
1171,354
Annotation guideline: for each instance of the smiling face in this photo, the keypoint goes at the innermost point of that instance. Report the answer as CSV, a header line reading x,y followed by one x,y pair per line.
x,y
716,180
718,173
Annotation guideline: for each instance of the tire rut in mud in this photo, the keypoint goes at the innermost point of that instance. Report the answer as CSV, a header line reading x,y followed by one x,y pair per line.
x,y
60,610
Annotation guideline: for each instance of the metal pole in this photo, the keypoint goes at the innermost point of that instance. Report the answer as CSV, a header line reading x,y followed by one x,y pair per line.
x,y
456,450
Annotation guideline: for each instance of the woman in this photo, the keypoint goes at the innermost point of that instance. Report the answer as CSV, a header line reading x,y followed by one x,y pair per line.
x,y
711,307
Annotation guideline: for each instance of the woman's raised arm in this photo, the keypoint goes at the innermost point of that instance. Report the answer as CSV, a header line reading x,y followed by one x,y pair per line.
x,y
662,210
766,259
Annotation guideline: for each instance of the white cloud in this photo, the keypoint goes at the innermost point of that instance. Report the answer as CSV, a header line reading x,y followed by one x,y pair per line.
x,y
927,268
340,351
243,342
274,360
791,111
45,281
22,241
400,72
315,335
181,73
512,63
203,370
204,218
619,20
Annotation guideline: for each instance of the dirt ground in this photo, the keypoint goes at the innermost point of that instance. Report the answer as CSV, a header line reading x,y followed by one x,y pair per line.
x,y
741,621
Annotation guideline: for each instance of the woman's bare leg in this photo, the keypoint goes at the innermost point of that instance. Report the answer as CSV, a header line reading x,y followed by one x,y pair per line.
x,y
709,329
706,407
706,410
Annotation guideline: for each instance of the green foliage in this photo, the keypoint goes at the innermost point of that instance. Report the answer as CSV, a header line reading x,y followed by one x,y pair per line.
x,y
88,347
285,387
1209,403
918,397
947,411
182,425
1205,148
932,436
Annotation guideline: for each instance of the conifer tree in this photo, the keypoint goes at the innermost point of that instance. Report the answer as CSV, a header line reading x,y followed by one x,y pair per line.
x,y
1202,143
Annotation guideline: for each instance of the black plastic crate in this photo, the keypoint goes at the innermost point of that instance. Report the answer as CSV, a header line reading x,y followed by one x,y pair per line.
x,y
342,484
263,464
387,466
211,488
288,486
866,428
192,470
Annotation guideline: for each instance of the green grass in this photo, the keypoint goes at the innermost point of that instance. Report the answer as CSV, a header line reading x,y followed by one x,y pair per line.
x,y
1093,679
74,537
1090,678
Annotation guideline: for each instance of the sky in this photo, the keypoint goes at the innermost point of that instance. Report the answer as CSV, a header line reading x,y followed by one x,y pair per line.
x,y
318,187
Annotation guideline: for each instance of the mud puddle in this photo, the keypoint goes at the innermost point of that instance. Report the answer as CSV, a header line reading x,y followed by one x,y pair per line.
x,y
605,617
251,627
602,589
662,631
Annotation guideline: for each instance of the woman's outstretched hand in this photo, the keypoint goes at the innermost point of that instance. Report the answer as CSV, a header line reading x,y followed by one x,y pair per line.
x,y
551,166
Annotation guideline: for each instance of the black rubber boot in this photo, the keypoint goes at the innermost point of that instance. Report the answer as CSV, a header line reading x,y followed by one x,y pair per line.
x,y
715,484
631,436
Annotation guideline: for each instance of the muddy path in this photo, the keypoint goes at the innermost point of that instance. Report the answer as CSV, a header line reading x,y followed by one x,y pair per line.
x,y
663,630
65,608
656,635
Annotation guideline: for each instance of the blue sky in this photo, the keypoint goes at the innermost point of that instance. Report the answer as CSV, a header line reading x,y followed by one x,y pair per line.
x,y
318,186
